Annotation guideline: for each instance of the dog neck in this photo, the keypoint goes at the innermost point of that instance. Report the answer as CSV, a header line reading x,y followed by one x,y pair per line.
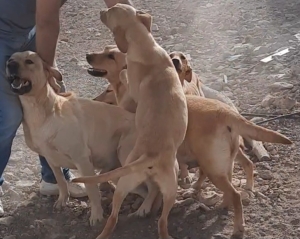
x,y
137,52
38,107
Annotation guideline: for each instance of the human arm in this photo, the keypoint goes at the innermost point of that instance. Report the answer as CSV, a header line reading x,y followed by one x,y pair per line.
x,y
110,3
47,29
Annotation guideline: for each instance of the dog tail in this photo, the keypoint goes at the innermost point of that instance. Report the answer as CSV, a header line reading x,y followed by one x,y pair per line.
x,y
140,164
247,129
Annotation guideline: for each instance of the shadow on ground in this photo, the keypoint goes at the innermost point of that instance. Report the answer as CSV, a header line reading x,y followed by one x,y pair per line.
x,y
37,219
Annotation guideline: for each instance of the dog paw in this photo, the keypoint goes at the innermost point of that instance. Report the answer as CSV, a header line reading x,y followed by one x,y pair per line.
x,y
96,216
238,231
61,202
141,212
185,182
95,220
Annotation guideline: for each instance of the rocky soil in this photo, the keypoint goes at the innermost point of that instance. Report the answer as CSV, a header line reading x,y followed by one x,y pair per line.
x,y
225,39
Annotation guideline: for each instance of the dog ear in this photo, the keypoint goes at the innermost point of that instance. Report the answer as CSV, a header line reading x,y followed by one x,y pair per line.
x,y
145,18
123,78
52,77
120,39
188,74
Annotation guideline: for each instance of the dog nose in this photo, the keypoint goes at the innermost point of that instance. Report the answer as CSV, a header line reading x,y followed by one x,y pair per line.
x,y
176,63
88,58
13,67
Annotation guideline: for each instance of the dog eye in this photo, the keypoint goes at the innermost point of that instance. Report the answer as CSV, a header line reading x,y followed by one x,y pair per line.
x,y
182,57
111,56
29,62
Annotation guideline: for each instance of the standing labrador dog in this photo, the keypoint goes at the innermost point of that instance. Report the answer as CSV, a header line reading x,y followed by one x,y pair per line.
x,y
161,114
70,132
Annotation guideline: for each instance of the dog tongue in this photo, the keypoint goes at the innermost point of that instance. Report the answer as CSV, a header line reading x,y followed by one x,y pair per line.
x,y
16,84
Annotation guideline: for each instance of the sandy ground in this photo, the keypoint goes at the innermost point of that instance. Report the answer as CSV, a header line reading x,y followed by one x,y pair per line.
x,y
225,39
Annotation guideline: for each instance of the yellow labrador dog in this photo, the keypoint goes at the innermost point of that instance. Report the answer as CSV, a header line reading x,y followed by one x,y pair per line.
x,y
70,132
161,114
108,64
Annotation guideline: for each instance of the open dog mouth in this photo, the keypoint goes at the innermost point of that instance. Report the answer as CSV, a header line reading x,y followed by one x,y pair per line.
x,y
19,85
97,72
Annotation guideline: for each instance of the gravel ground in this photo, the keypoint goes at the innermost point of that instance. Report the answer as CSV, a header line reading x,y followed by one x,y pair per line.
x,y
226,39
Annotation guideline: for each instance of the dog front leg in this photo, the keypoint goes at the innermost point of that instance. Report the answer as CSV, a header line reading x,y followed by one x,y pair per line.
x,y
92,190
62,187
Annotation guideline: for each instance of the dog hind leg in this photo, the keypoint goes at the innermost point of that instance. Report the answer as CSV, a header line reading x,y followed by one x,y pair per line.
x,y
167,182
92,190
125,185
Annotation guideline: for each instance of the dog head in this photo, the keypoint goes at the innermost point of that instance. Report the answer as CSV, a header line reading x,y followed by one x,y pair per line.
x,y
28,74
182,66
120,18
107,63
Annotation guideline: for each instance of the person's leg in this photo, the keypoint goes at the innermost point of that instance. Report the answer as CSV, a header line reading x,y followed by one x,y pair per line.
x,y
10,113
48,184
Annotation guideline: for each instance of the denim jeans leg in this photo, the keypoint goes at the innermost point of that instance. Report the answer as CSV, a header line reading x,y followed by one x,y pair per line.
x,y
46,171
10,110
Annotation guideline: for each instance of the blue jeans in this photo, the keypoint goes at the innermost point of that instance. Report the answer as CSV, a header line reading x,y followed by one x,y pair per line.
x,y
10,107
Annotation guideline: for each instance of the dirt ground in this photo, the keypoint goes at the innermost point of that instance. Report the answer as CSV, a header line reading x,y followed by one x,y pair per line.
x,y
225,39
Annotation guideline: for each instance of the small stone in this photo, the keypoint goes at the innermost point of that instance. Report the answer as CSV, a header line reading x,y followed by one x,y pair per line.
x,y
246,202
155,27
33,196
219,236
266,174
187,202
188,193
27,171
236,182
83,204
6,221
267,101
72,237
64,40
74,59
202,217
14,196
278,86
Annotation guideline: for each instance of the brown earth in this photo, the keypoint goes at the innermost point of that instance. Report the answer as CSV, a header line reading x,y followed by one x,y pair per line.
x,y
222,38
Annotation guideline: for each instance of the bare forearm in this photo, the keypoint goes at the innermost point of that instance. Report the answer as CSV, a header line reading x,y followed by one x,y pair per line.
x,y
47,29
110,3
46,41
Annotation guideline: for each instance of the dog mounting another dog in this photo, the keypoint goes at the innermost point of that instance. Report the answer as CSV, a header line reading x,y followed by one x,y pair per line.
x,y
161,128
207,133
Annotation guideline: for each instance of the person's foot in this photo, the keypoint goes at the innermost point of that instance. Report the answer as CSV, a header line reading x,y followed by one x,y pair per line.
x,y
77,190
1,205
